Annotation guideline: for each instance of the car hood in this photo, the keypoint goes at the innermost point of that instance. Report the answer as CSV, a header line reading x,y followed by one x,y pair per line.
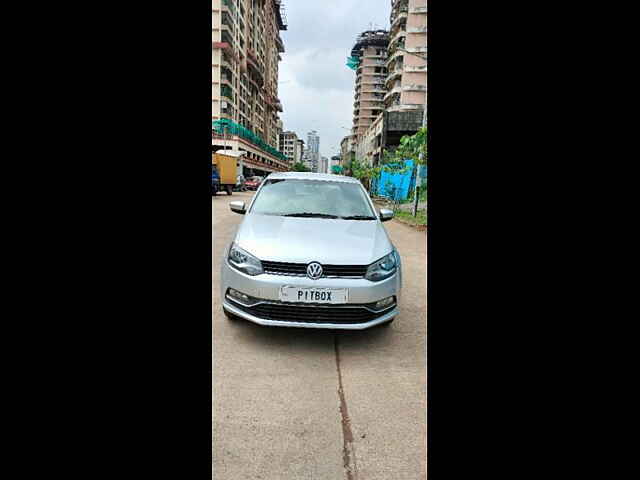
x,y
303,240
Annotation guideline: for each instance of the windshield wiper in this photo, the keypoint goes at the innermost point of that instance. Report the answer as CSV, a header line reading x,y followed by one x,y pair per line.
x,y
358,217
310,215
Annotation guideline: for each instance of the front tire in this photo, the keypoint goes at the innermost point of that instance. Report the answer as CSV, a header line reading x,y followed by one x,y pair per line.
x,y
229,189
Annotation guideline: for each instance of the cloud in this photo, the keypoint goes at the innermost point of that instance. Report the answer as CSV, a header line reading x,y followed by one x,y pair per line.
x,y
316,86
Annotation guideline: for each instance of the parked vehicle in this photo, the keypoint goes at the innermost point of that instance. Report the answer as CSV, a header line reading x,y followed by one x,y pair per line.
x,y
253,183
311,252
215,180
227,169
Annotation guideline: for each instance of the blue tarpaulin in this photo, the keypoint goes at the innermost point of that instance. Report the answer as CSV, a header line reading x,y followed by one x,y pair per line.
x,y
403,183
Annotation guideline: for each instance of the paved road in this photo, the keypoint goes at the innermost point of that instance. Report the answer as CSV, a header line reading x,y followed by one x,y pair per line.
x,y
293,404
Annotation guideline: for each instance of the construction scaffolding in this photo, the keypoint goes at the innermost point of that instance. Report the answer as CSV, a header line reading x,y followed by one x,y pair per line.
x,y
224,126
353,62
370,38
378,38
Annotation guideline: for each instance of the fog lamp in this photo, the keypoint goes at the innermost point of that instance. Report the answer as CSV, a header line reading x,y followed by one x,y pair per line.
x,y
239,295
384,303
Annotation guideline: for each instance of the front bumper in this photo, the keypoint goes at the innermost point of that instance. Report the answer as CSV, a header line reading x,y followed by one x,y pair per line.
x,y
385,317
267,287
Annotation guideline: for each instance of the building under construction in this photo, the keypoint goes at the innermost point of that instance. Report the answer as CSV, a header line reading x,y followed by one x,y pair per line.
x,y
396,101
368,58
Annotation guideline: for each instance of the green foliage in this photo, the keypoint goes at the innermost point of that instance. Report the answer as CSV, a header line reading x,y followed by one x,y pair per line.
x,y
299,167
419,219
411,146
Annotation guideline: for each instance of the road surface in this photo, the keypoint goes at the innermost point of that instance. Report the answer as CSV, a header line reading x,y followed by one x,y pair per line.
x,y
294,404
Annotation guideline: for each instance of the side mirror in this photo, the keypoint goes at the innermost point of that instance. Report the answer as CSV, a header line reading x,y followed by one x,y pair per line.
x,y
237,207
384,214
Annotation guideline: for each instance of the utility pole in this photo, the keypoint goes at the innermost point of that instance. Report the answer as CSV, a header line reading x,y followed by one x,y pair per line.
x,y
417,188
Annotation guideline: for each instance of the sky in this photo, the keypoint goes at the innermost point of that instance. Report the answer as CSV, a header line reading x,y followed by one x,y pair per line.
x,y
315,85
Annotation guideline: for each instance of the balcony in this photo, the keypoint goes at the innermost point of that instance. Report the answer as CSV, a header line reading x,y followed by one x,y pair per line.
x,y
227,22
402,14
395,54
401,34
400,107
225,62
414,88
373,90
417,30
375,56
396,90
397,73
227,5
417,50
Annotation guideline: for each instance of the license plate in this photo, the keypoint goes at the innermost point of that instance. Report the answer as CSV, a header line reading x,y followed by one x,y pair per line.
x,y
313,295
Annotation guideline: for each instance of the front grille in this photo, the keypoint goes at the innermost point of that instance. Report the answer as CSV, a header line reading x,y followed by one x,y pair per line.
x,y
300,270
312,313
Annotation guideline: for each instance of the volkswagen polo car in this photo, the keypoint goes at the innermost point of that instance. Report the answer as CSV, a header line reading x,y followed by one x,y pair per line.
x,y
311,252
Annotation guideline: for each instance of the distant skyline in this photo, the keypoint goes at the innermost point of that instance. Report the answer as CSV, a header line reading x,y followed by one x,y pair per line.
x,y
315,85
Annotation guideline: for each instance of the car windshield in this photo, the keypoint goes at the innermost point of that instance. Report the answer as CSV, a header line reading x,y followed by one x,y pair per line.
x,y
313,198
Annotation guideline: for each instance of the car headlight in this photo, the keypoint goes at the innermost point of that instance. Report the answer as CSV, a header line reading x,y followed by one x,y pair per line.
x,y
244,261
383,268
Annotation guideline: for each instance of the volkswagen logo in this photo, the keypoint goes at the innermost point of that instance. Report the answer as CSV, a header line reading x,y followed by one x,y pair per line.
x,y
314,270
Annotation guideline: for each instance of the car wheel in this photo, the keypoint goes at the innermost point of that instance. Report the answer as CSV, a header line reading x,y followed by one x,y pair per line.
x,y
229,190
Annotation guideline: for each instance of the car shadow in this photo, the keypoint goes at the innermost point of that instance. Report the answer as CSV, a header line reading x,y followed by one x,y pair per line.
x,y
307,338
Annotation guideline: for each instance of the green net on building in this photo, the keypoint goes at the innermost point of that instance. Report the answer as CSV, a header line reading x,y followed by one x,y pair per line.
x,y
225,125
353,62
225,91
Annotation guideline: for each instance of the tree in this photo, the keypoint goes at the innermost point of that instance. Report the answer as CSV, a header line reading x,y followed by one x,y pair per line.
x,y
299,167
413,147
363,172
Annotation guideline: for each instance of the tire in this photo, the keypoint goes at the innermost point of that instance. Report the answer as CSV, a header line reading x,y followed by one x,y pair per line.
x,y
229,189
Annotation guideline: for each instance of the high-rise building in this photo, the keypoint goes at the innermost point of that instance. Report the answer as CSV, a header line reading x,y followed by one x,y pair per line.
x,y
324,165
299,150
246,51
313,148
404,108
406,62
370,53
289,145
307,159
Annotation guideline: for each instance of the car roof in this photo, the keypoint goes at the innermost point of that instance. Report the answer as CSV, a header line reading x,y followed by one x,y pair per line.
x,y
312,176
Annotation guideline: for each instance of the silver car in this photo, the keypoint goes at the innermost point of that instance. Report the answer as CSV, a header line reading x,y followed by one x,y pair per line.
x,y
311,252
